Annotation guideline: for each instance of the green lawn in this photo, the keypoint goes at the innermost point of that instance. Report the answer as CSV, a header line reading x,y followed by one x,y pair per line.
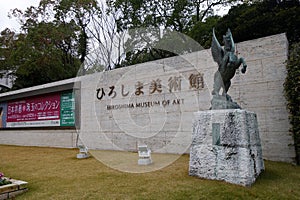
x,y
55,173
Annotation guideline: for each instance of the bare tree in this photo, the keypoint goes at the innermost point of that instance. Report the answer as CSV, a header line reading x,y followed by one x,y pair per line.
x,y
106,41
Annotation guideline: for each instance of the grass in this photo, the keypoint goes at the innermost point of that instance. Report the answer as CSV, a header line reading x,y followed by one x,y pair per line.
x,y
55,173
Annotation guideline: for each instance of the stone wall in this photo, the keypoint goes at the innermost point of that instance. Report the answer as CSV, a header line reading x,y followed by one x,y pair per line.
x,y
261,90
117,122
65,138
115,114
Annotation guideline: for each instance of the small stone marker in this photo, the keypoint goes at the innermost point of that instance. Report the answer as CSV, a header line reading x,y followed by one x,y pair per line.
x,y
144,155
83,152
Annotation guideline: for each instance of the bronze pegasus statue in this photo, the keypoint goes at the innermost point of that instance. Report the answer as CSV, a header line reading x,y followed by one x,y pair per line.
x,y
227,61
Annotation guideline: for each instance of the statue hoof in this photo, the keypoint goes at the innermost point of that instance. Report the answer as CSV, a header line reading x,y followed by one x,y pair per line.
x,y
244,69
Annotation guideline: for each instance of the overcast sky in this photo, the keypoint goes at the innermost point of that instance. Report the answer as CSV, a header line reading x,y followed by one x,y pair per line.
x,y
7,5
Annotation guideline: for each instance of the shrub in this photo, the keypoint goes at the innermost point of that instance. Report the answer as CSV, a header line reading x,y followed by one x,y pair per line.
x,y
3,180
292,91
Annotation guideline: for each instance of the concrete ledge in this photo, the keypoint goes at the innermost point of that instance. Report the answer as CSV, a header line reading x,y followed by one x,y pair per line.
x,y
12,190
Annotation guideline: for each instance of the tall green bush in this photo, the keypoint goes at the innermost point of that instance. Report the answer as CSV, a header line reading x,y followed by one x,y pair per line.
x,y
292,91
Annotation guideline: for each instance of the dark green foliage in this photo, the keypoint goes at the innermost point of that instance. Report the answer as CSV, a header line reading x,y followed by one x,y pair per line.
x,y
202,31
4,182
251,21
144,55
8,46
292,93
157,47
45,55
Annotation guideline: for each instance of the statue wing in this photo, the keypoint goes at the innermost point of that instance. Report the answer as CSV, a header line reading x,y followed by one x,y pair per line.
x,y
232,42
216,50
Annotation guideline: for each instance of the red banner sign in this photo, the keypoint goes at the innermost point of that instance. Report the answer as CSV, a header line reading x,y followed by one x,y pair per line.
x,y
34,111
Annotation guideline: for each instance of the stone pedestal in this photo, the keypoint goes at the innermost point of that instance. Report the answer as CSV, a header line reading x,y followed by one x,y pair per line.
x,y
144,161
226,146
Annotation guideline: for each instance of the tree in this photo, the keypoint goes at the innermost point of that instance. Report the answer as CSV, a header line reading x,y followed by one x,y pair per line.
x,y
177,15
44,55
164,16
55,41
247,22
8,45
94,29
292,93
78,12
106,40
202,31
